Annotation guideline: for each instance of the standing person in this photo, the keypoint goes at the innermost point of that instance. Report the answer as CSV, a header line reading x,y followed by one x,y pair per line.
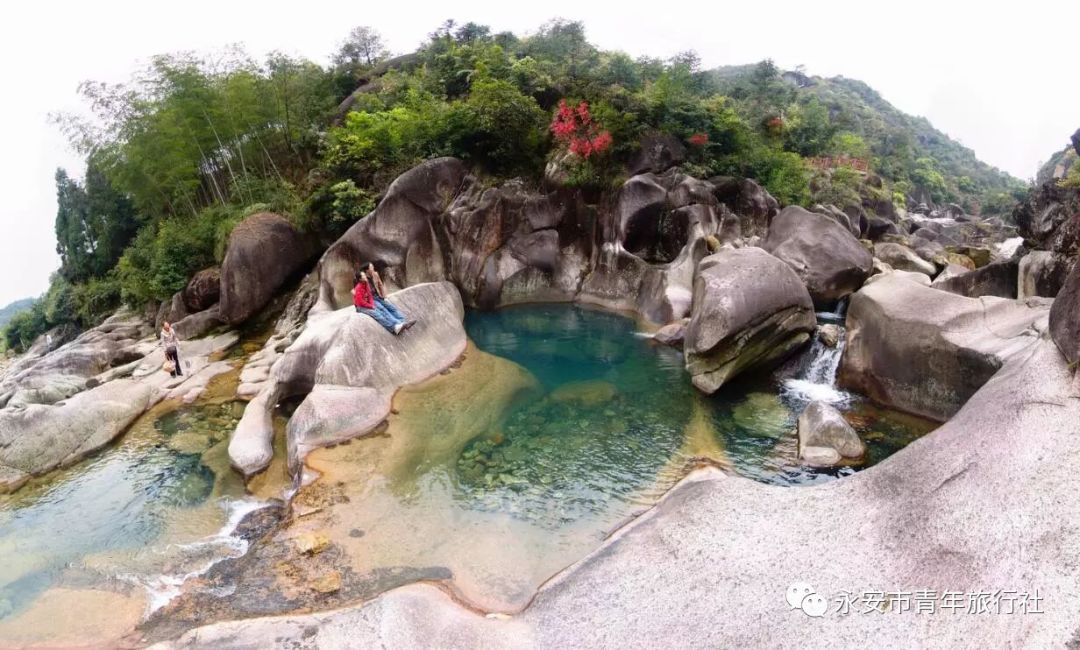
x,y
380,296
171,342
364,301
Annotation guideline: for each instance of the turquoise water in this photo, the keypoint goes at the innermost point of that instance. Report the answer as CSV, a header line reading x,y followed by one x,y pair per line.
x,y
629,419
611,412
115,515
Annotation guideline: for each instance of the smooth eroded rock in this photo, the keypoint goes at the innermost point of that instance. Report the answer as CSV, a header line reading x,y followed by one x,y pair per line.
x,y
750,311
821,425
927,351
902,258
995,279
829,260
263,253
40,438
332,414
347,349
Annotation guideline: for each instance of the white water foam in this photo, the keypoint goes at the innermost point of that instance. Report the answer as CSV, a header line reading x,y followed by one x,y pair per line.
x,y
1007,248
162,589
819,380
804,391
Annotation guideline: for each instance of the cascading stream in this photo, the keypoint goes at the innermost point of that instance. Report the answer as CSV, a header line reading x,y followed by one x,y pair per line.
x,y
818,381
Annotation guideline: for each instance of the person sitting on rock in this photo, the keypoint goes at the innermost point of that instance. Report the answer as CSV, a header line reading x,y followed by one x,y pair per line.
x,y
379,294
171,342
364,301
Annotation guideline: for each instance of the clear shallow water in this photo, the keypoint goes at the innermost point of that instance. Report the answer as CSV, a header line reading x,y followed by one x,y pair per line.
x,y
634,408
134,518
561,424
611,412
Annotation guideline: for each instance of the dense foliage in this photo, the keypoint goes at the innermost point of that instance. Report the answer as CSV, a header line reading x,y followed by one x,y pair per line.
x,y
12,309
191,145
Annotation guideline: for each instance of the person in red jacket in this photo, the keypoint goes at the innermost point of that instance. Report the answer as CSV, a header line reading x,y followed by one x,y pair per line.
x,y
364,301
381,301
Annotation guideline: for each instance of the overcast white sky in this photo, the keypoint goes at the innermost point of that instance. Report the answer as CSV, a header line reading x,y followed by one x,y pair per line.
x,y
993,75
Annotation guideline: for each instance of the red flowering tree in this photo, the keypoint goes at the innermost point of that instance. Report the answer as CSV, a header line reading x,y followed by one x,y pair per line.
x,y
699,139
576,129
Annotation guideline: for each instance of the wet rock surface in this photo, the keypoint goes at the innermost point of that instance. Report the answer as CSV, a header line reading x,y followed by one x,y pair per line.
x,y
272,578
932,496
1042,273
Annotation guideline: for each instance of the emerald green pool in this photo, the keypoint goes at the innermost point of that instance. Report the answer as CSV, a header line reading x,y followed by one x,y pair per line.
x,y
614,408
503,471
610,413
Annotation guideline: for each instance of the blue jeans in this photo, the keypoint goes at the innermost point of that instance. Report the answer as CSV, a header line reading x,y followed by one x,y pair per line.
x,y
381,316
389,307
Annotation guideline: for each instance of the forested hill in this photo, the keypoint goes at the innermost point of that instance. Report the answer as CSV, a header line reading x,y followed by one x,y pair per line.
x,y
8,312
193,144
905,150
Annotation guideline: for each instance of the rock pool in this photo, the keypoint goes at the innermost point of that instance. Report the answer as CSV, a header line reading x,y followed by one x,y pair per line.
x,y
561,424
115,536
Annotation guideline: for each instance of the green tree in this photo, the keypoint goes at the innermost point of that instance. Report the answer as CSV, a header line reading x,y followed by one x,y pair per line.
x,y
927,176
363,47
73,239
811,131
500,128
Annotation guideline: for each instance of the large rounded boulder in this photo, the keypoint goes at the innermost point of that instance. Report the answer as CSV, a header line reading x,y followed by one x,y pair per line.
x,y
401,232
343,349
829,260
752,203
927,351
995,279
658,152
203,290
902,258
264,252
750,310
825,437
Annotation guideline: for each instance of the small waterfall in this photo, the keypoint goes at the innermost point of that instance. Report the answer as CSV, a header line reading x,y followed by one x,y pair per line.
x,y
818,380
824,361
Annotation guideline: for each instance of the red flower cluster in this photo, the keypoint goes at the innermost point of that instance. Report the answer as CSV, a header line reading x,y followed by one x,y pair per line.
x,y
699,139
575,127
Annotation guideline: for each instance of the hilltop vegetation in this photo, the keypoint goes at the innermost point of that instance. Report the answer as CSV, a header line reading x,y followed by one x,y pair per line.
x,y
192,145
9,311
844,116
